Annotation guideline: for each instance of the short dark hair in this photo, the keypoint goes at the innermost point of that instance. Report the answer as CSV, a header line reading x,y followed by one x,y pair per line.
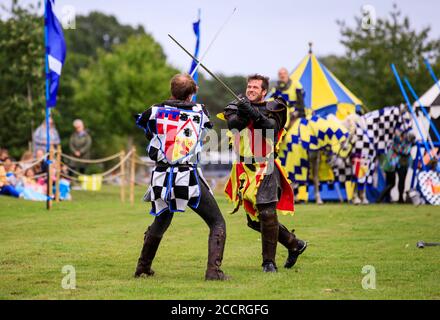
x,y
182,86
265,80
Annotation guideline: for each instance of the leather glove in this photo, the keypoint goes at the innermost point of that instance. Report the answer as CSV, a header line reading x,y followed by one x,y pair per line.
x,y
245,110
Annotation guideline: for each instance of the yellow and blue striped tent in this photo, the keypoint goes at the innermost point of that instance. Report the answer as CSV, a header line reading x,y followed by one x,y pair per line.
x,y
324,93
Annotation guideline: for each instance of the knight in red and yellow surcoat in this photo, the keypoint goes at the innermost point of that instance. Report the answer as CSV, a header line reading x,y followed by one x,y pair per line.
x,y
257,181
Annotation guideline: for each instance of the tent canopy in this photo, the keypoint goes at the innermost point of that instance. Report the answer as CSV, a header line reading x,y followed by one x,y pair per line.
x,y
324,93
430,98
431,101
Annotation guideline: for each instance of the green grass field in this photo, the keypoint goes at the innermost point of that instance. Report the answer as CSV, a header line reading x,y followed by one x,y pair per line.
x,y
101,238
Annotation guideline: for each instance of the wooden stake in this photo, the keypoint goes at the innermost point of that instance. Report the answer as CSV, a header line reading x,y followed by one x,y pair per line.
x,y
132,175
121,158
57,181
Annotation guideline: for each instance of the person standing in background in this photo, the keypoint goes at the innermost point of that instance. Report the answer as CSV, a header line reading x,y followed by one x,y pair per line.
x,y
289,90
39,138
397,160
80,145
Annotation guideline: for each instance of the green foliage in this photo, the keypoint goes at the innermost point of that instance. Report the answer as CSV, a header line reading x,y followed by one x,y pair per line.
x,y
94,32
22,76
365,68
98,30
119,84
106,77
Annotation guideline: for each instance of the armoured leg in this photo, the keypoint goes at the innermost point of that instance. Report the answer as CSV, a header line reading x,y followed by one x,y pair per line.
x,y
294,245
288,239
269,235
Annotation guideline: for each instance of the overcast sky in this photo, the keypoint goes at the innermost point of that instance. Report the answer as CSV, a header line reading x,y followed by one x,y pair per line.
x,y
261,36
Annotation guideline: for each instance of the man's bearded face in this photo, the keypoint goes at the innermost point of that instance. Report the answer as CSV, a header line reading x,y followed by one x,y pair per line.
x,y
255,92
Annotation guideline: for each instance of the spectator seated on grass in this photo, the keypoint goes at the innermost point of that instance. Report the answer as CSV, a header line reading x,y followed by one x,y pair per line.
x,y
29,187
32,183
26,160
6,188
36,189
42,166
22,183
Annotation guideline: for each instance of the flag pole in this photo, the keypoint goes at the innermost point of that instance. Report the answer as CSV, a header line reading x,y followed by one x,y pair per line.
x,y
193,69
416,97
212,41
48,200
431,72
408,103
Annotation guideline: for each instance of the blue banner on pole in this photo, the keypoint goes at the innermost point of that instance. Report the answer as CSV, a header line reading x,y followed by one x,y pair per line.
x,y
55,53
196,29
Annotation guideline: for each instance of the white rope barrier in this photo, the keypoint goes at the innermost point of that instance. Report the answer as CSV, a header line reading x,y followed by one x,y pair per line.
x,y
105,173
112,177
30,164
143,162
40,175
139,183
69,177
147,164
91,160
118,165
72,170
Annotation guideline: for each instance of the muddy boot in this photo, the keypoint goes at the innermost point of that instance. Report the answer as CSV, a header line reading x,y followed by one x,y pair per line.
x,y
151,243
269,239
216,245
294,246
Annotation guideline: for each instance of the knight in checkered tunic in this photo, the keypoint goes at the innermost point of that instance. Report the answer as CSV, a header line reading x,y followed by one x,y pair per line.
x,y
257,181
175,129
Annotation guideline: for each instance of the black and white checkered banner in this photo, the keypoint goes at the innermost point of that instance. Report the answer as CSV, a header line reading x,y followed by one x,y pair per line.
x,y
373,136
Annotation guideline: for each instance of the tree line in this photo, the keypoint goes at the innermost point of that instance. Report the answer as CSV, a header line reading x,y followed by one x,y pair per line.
x,y
113,71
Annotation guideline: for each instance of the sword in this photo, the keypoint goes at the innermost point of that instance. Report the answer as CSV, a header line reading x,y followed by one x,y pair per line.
x,y
206,69
212,41
422,244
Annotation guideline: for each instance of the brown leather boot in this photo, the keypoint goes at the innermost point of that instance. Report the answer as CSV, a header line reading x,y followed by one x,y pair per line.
x,y
269,239
293,245
151,243
216,245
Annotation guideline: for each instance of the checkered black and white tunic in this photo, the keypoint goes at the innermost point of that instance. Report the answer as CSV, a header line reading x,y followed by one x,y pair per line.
x,y
175,180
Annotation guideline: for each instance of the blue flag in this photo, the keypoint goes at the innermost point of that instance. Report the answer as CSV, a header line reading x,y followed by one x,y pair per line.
x,y
196,28
55,53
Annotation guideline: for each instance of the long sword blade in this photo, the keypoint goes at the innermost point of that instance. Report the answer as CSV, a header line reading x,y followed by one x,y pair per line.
x,y
206,69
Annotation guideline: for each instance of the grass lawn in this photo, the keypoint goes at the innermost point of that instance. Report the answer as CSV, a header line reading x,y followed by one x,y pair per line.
x,y
101,238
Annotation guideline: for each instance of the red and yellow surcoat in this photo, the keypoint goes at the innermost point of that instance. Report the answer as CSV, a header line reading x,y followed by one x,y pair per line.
x,y
245,178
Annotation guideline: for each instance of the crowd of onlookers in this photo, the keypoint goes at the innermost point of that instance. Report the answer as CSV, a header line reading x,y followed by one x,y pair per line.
x,y
27,177
23,178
